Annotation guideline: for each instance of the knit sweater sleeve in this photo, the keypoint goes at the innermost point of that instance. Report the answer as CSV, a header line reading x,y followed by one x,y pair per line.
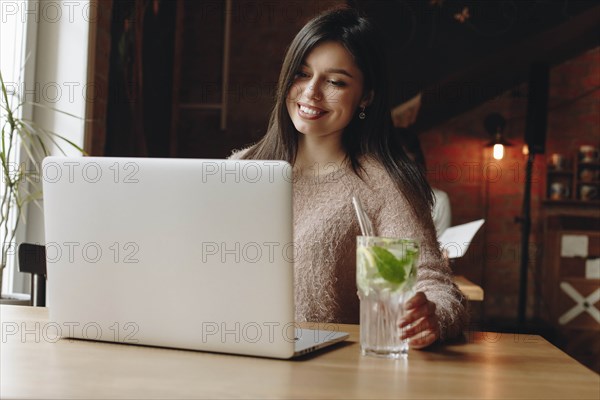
x,y
396,218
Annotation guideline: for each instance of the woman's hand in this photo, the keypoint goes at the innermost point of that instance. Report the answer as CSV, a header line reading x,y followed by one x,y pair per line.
x,y
420,323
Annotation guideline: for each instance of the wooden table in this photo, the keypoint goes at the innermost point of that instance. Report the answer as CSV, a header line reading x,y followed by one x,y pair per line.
x,y
471,290
34,363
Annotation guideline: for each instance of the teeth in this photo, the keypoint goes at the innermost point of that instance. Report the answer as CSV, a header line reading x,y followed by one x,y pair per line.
x,y
309,111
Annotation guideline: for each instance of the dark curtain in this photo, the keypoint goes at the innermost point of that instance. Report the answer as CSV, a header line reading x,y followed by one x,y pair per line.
x,y
140,78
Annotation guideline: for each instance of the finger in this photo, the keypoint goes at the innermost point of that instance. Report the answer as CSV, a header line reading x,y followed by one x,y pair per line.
x,y
423,311
423,339
424,324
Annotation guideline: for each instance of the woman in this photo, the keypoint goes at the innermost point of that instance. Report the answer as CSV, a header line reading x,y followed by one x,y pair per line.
x,y
331,121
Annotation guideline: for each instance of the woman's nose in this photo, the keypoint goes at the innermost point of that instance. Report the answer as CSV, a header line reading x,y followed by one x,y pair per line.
x,y
312,91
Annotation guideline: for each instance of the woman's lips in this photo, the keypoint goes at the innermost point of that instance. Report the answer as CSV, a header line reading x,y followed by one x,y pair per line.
x,y
308,112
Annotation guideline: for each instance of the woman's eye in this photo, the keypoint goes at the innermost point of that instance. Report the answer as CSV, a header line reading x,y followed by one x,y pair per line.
x,y
301,74
337,83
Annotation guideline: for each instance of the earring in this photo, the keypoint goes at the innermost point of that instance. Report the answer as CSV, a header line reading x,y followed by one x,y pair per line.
x,y
362,114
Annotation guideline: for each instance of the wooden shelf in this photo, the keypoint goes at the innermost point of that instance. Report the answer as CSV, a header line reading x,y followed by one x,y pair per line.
x,y
570,178
589,164
580,183
560,172
579,279
571,202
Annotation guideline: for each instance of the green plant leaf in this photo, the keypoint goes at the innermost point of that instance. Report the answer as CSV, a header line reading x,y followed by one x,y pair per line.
x,y
22,186
44,106
69,141
389,267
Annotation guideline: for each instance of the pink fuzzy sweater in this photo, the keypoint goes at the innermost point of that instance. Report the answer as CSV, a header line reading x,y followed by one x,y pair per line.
x,y
325,230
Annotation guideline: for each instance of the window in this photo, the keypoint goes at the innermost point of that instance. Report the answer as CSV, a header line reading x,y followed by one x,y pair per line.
x,y
44,54
14,48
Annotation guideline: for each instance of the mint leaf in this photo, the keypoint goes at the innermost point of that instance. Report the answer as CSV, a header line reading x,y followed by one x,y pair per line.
x,y
389,267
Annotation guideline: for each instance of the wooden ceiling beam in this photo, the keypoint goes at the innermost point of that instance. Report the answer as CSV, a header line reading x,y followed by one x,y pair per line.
x,y
507,68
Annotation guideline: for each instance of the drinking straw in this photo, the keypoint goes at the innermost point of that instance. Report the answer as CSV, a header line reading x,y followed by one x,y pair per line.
x,y
366,227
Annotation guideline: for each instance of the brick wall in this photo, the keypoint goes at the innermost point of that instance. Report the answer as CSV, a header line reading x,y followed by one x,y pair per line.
x,y
481,187
261,32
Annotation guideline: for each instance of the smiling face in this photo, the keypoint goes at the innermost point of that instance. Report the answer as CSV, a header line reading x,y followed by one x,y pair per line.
x,y
326,92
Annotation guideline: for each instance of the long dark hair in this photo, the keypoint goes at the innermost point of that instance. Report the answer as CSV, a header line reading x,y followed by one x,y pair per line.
x,y
370,136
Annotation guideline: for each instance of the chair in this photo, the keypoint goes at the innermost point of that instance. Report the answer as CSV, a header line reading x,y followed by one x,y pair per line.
x,y
32,259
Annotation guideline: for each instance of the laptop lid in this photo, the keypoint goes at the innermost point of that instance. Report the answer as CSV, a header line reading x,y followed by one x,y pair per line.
x,y
184,253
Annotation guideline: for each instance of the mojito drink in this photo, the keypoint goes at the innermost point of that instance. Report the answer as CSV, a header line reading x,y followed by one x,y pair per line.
x,y
386,271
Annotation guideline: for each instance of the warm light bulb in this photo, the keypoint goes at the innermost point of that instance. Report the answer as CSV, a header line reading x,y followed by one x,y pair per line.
x,y
498,151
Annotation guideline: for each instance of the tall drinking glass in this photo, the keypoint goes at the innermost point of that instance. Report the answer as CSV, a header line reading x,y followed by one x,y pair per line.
x,y
386,272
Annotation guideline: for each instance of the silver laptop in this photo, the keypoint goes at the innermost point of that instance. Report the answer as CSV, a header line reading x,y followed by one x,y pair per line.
x,y
182,253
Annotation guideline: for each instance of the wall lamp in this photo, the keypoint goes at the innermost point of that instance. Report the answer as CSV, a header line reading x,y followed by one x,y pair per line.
x,y
494,124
